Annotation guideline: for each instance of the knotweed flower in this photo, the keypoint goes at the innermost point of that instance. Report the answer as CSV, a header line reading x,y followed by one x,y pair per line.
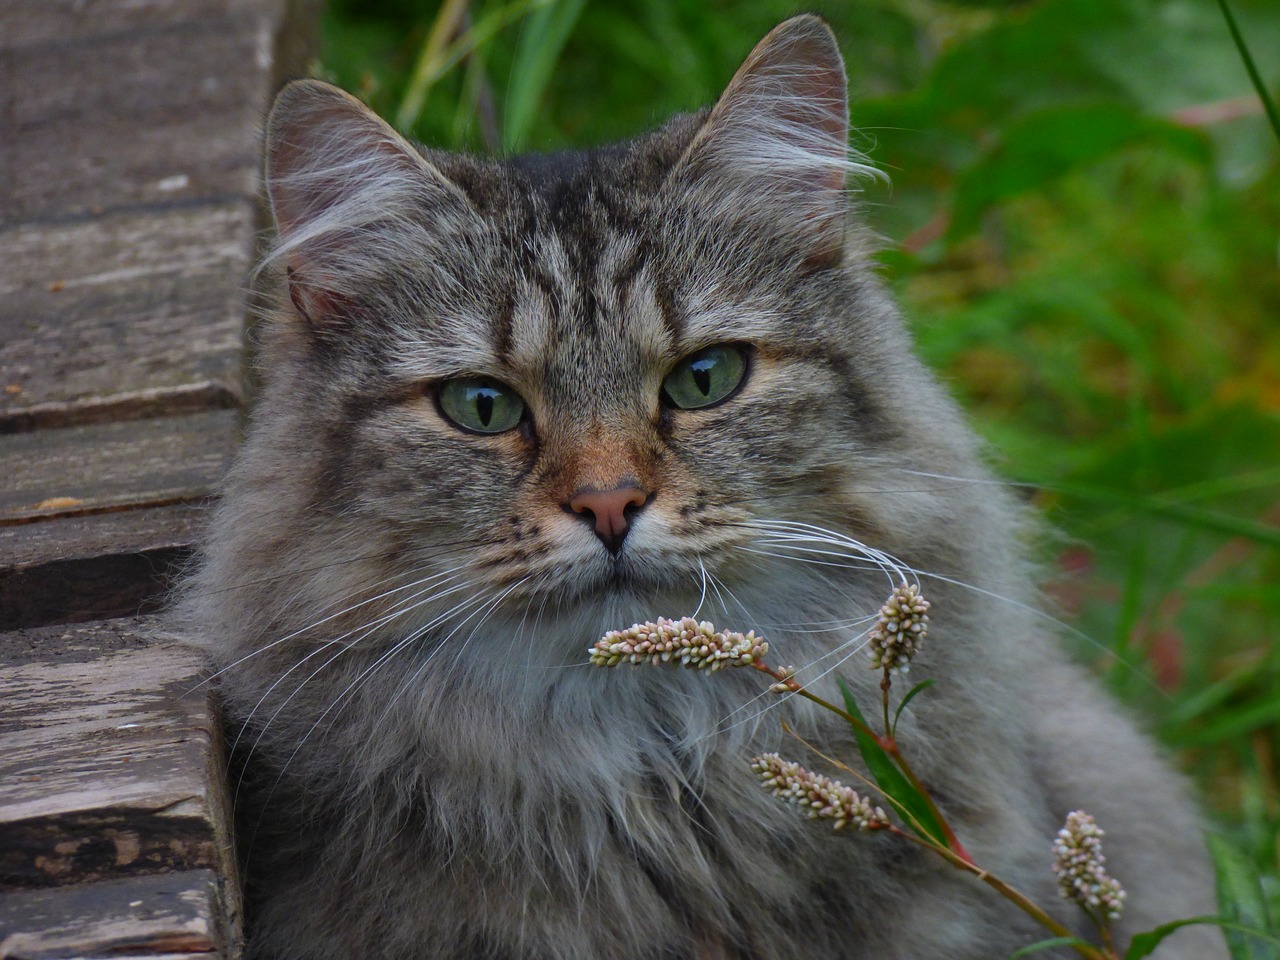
x,y
900,631
685,642
1078,863
817,795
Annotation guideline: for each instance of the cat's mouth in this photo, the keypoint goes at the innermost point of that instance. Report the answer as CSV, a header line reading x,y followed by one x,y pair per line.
x,y
632,577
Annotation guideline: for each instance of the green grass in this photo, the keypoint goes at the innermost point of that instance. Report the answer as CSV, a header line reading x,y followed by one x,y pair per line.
x,y
1082,228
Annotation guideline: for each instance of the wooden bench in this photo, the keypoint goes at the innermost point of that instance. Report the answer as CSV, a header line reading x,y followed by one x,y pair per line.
x,y
129,217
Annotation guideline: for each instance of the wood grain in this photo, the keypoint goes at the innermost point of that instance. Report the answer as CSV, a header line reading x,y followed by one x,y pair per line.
x,y
172,126
89,536
124,314
111,761
111,466
175,915
129,219
61,22
77,568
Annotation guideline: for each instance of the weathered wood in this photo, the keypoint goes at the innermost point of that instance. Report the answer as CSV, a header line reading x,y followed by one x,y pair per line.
x,y
137,313
26,546
111,761
112,466
140,102
149,119
128,220
27,22
175,915
95,519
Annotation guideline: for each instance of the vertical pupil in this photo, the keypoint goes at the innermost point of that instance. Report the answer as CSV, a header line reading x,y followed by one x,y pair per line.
x,y
484,405
701,370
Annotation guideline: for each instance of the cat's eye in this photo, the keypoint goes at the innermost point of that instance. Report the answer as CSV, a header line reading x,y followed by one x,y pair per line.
x,y
480,404
703,379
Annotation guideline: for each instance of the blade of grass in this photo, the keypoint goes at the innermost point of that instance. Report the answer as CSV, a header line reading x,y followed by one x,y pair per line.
x,y
439,55
1241,900
541,42
1183,512
1254,77
427,68
1232,723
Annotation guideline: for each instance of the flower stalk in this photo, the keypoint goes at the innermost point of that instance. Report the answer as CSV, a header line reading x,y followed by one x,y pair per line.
x,y
893,642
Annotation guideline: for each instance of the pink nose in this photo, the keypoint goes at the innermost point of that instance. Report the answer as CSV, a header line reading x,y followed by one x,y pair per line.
x,y
608,509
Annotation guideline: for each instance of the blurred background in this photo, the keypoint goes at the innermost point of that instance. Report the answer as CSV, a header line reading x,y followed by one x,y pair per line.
x,y
1082,223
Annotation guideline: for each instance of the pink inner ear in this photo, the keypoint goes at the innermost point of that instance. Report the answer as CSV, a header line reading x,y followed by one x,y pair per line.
x,y
777,140
315,304
342,185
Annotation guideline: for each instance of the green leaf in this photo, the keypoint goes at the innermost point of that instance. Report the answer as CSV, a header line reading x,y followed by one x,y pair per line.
x,y
1044,145
904,795
1215,521
544,36
922,685
1242,904
1049,944
1144,944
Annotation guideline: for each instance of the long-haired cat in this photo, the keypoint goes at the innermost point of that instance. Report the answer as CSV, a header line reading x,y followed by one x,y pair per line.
x,y
512,404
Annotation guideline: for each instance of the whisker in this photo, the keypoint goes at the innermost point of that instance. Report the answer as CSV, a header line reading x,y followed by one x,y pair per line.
x,y
315,624
343,640
383,658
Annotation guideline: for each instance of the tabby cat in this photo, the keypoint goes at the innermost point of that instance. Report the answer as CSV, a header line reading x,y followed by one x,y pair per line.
x,y
510,404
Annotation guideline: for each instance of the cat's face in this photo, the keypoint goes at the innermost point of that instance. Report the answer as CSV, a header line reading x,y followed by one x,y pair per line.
x,y
606,378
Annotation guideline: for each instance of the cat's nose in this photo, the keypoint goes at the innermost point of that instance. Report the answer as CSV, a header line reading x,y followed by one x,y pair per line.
x,y
609,511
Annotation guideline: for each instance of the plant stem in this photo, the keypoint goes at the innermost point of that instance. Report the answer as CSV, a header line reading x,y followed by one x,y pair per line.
x,y
886,742
885,683
1254,76
1012,894
446,25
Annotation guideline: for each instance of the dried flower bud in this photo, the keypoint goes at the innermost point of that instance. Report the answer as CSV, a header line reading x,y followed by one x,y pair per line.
x,y
784,674
817,795
1078,863
685,642
900,631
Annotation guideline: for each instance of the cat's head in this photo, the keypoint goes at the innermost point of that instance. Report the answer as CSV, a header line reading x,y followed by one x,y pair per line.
x,y
614,379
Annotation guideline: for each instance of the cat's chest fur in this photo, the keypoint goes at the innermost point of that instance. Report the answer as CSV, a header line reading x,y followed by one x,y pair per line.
x,y
509,406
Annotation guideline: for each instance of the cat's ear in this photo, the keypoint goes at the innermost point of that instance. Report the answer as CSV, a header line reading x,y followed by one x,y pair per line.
x,y
343,186
776,142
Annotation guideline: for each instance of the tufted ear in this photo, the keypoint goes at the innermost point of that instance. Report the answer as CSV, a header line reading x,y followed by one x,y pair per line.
x,y
776,142
343,185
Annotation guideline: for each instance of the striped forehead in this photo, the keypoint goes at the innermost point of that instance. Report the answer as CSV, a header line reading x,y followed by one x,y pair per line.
x,y
585,306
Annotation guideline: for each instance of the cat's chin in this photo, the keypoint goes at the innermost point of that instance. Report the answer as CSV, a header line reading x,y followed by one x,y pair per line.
x,y
627,577
617,592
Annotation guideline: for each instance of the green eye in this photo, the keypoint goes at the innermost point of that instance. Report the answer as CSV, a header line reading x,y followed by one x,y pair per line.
x,y
705,378
480,404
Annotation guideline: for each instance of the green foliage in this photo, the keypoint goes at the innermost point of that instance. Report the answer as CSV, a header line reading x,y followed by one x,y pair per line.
x,y
1243,905
910,695
905,797
1082,229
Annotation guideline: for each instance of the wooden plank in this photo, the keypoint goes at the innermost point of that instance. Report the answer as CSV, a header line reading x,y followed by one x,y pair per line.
x,y
134,312
111,761
171,916
29,22
25,546
95,519
163,104
77,568
101,467
152,118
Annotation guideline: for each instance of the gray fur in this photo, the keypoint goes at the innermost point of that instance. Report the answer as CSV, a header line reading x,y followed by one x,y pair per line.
x,y
399,612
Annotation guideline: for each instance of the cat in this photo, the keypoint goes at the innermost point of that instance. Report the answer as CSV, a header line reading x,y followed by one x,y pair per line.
x,y
511,404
